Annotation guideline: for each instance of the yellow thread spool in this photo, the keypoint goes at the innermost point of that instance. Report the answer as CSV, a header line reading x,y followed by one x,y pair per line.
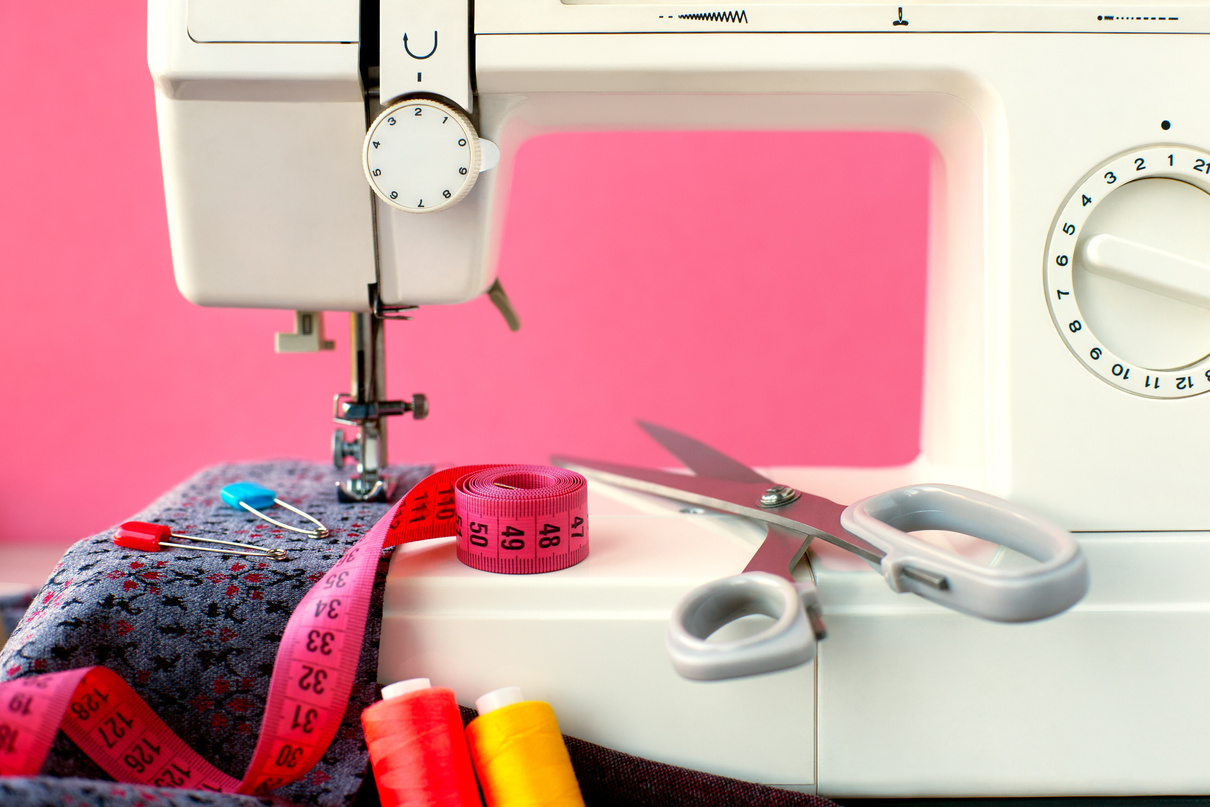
x,y
519,753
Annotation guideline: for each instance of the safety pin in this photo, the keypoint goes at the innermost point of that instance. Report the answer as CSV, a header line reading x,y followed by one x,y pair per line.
x,y
149,537
254,498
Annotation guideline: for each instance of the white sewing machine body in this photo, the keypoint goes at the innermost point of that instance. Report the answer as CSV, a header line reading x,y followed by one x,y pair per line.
x,y
262,118
905,698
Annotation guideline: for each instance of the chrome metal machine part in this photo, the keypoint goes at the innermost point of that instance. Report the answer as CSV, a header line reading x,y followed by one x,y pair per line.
x,y
367,410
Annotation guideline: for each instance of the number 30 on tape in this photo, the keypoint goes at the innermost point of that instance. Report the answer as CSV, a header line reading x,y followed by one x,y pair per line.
x,y
508,518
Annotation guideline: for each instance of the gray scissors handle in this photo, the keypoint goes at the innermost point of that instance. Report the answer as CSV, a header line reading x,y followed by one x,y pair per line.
x,y
1001,594
788,642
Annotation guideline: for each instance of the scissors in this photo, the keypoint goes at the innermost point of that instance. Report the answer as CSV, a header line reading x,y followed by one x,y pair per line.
x,y
876,528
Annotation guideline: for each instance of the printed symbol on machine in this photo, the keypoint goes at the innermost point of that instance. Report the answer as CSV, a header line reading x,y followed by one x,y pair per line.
x,y
900,21
716,16
425,56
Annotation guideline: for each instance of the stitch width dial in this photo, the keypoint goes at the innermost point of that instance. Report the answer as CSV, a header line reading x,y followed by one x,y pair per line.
x,y
422,155
1127,271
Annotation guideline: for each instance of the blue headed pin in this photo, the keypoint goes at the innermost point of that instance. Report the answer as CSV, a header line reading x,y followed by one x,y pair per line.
x,y
254,498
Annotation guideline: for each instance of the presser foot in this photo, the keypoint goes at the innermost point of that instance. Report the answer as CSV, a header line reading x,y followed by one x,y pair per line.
x,y
370,483
361,489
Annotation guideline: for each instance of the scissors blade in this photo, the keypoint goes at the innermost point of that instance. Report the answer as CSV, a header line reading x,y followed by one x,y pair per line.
x,y
808,514
717,494
779,552
701,458
811,515
821,517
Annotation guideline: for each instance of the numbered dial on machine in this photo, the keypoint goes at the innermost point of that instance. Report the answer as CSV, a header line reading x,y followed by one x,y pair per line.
x,y
422,156
1128,271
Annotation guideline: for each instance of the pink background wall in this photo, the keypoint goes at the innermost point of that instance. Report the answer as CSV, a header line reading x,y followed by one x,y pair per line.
x,y
772,306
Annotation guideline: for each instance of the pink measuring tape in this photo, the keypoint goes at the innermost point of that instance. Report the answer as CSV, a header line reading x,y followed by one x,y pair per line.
x,y
508,518
522,519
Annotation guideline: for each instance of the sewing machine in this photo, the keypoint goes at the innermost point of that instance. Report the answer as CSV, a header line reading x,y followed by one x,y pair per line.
x,y
1066,348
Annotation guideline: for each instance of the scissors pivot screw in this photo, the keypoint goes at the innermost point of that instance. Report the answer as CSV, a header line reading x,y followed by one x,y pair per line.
x,y
778,495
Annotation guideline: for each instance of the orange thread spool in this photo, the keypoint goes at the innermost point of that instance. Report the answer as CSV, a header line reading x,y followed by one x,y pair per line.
x,y
418,749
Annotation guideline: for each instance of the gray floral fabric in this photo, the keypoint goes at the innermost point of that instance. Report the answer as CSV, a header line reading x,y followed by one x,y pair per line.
x,y
195,633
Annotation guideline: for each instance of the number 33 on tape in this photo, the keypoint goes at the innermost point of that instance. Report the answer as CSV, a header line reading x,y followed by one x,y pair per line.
x,y
507,518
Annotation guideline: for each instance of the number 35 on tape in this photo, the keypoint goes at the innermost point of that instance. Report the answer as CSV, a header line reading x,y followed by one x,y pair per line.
x,y
507,518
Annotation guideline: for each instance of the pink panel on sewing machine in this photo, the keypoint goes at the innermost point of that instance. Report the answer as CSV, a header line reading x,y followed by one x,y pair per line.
x,y
771,305
764,291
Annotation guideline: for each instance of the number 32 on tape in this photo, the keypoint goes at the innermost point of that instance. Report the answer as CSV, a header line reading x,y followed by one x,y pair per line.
x,y
529,519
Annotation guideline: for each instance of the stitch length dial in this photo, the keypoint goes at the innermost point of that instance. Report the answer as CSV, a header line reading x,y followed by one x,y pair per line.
x,y
422,156
1128,271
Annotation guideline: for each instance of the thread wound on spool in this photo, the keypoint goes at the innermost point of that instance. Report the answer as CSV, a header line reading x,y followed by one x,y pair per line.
x,y
521,519
418,751
521,759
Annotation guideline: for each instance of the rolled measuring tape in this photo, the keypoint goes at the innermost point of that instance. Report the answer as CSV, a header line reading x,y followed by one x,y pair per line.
x,y
316,662
522,519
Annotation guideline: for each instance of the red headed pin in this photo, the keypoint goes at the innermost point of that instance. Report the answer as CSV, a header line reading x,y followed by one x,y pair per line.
x,y
150,538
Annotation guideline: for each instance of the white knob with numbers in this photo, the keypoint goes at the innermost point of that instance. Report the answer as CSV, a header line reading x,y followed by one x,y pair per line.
x,y
1128,271
422,155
